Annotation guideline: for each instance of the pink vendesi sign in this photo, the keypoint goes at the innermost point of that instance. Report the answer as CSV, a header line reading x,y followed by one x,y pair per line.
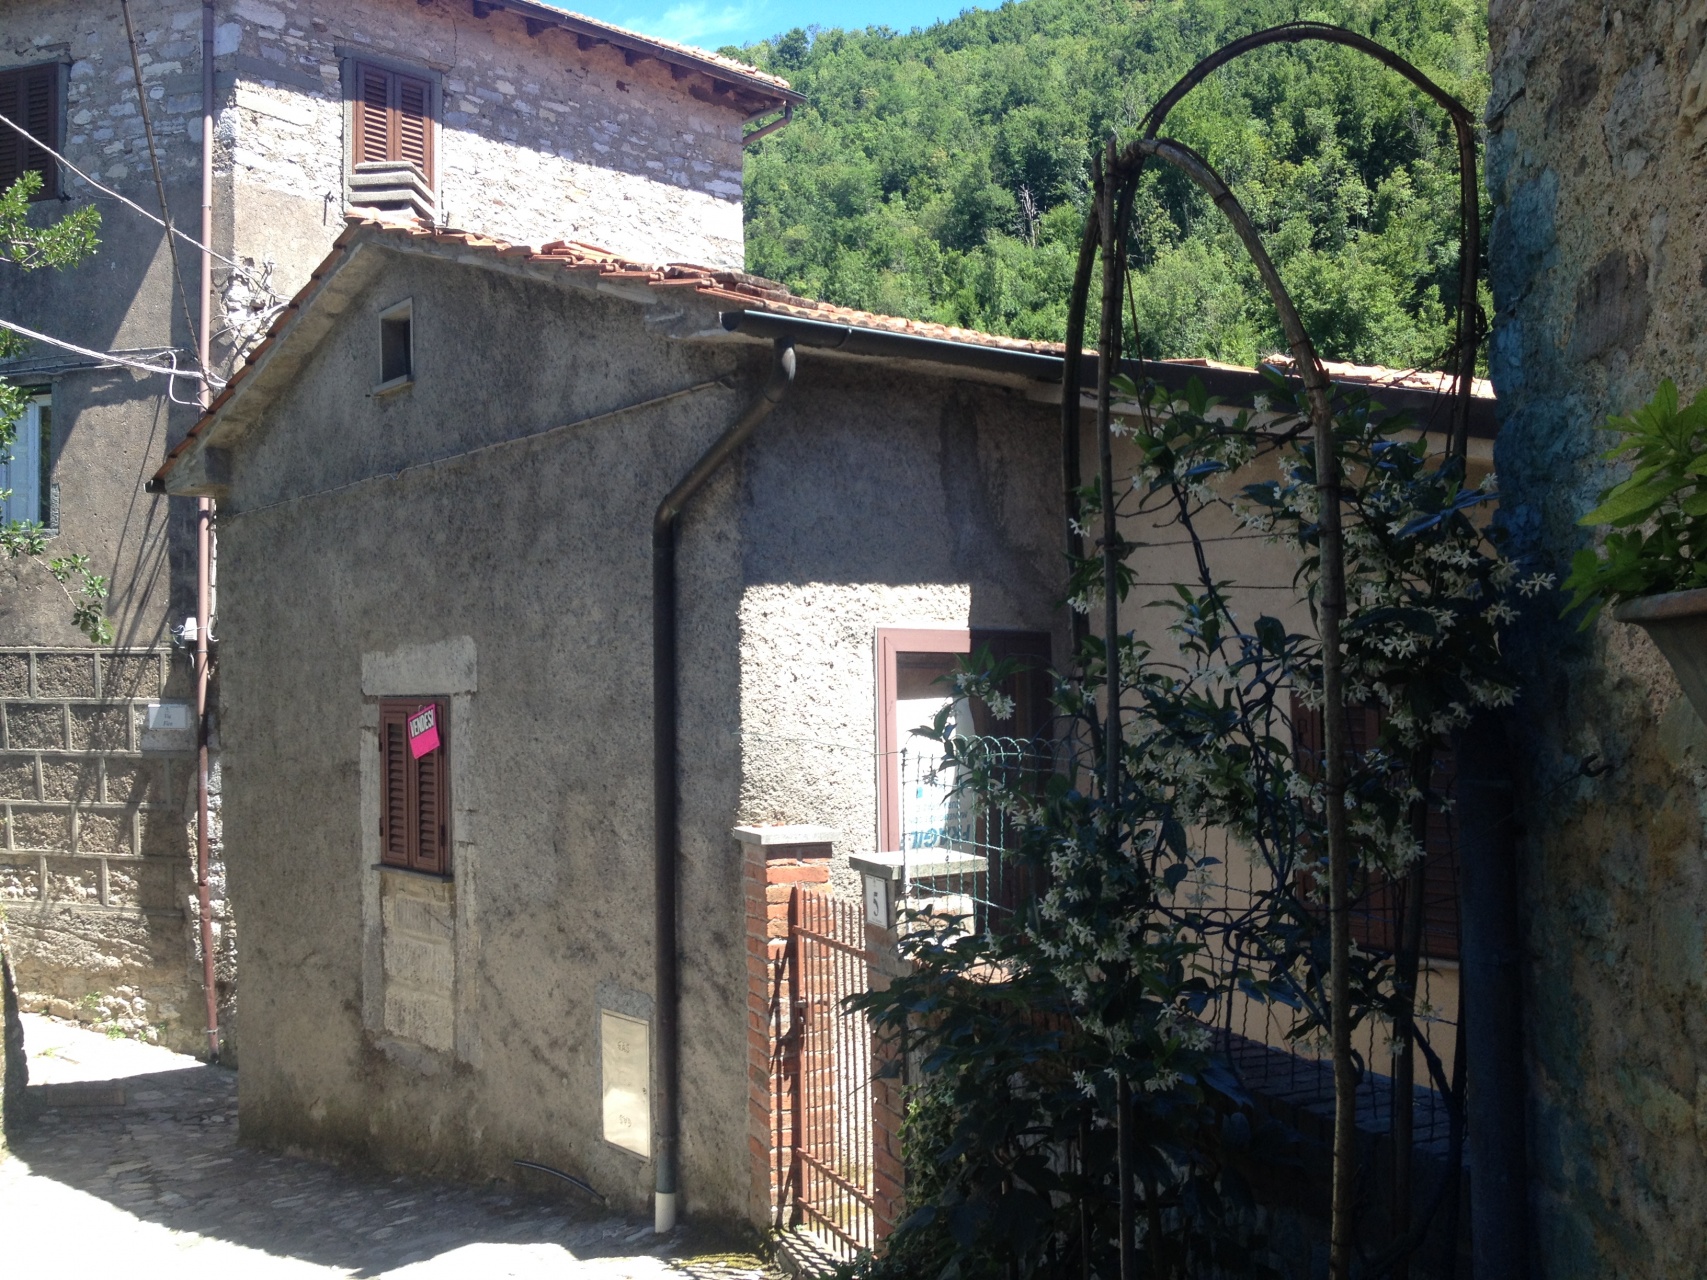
x,y
424,731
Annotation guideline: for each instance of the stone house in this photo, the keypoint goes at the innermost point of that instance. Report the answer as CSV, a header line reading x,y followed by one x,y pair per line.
x,y
444,483
514,118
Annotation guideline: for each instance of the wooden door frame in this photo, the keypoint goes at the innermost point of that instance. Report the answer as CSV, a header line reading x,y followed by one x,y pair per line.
x,y
891,643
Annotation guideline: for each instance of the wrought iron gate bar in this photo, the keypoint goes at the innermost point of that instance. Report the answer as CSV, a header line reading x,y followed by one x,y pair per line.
x,y
829,1061
858,953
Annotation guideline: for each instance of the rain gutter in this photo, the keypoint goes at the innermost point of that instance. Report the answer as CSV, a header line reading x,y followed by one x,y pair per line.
x,y
1232,386
666,774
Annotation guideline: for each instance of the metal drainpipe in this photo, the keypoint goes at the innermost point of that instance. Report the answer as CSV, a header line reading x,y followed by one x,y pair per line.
x,y
1492,1002
204,550
665,810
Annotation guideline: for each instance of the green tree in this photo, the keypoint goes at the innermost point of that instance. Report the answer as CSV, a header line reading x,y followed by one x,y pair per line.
x,y
943,173
30,244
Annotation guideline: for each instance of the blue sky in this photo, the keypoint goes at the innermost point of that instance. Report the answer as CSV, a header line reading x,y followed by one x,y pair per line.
x,y
710,23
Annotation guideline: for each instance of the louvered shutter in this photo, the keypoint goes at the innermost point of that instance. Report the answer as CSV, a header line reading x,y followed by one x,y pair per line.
x,y
414,124
373,142
414,815
431,815
393,119
30,97
11,145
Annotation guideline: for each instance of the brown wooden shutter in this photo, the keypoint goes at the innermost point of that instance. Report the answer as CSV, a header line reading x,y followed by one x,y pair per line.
x,y
415,807
30,97
374,119
431,816
394,805
414,124
393,119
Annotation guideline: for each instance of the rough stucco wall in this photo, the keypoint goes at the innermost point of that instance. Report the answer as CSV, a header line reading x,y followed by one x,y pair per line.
x,y
1599,260
540,141
904,500
540,555
809,701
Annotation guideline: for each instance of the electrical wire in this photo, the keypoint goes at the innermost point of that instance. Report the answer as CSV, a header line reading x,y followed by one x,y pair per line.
x,y
159,178
107,191
260,281
105,357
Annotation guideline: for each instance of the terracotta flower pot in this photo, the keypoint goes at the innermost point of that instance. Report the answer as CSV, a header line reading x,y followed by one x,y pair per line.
x,y
1677,621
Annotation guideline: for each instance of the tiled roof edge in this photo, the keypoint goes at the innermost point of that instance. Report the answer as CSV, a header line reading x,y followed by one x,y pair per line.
x,y
726,286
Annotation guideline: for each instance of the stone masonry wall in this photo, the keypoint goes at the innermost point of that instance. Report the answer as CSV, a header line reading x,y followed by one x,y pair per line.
x,y
93,873
540,140
1596,163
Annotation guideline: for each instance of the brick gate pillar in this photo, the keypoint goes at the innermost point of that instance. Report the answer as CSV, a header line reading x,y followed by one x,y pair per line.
x,y
775,860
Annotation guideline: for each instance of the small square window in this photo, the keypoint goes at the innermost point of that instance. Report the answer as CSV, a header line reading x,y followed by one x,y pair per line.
x,y
396,346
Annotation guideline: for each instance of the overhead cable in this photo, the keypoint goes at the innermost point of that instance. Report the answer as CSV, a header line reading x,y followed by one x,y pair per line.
x,y
159,177
105,357
15,127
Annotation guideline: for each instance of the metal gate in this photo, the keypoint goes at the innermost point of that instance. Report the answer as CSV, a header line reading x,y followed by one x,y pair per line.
x,y
830,1062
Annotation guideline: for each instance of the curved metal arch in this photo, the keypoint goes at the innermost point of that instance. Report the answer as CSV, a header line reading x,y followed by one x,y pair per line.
x,y
1465,338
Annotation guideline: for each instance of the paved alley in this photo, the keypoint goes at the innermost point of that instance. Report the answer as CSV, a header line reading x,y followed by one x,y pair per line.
x,y
131,1166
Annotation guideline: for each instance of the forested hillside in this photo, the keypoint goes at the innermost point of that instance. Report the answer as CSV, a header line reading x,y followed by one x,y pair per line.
x,y
943,174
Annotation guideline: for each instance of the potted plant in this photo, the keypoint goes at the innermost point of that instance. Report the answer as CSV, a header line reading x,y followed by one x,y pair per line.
x,y
1652,568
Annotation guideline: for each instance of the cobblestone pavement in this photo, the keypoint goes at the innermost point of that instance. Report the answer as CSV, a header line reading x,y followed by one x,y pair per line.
x,y
130,1166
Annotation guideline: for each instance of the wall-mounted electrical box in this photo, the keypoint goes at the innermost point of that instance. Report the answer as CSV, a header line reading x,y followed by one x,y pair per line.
x,y
626,1057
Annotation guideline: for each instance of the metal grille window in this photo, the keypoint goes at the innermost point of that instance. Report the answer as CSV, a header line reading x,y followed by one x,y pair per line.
x,y
29,97
414,809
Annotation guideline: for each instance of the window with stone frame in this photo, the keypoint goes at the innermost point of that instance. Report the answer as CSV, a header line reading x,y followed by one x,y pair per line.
x,y
392,138
30,98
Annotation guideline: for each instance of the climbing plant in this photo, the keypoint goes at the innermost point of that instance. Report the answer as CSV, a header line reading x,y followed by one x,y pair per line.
x,y
1117,981
1114,973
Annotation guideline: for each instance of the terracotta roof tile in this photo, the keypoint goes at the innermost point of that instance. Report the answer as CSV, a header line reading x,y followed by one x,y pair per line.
x,y
735,288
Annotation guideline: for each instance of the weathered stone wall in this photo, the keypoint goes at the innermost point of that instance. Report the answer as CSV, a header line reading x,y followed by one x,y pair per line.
x,y
540,140
93,872
1597,133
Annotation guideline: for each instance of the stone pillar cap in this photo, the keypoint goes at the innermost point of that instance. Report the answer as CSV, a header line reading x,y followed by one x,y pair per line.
x,y
787,833
925,864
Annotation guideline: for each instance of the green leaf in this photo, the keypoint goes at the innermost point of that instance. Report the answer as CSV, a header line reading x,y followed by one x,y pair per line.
x,y
1626,505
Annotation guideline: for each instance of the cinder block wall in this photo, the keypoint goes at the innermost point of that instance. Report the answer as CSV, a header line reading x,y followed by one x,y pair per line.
x,y
99,894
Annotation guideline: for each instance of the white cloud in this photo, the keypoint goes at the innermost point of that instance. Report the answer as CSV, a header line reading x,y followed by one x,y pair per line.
x,y
699,23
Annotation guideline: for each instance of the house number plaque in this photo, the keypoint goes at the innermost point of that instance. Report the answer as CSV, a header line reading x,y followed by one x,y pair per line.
x,y
627,1062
